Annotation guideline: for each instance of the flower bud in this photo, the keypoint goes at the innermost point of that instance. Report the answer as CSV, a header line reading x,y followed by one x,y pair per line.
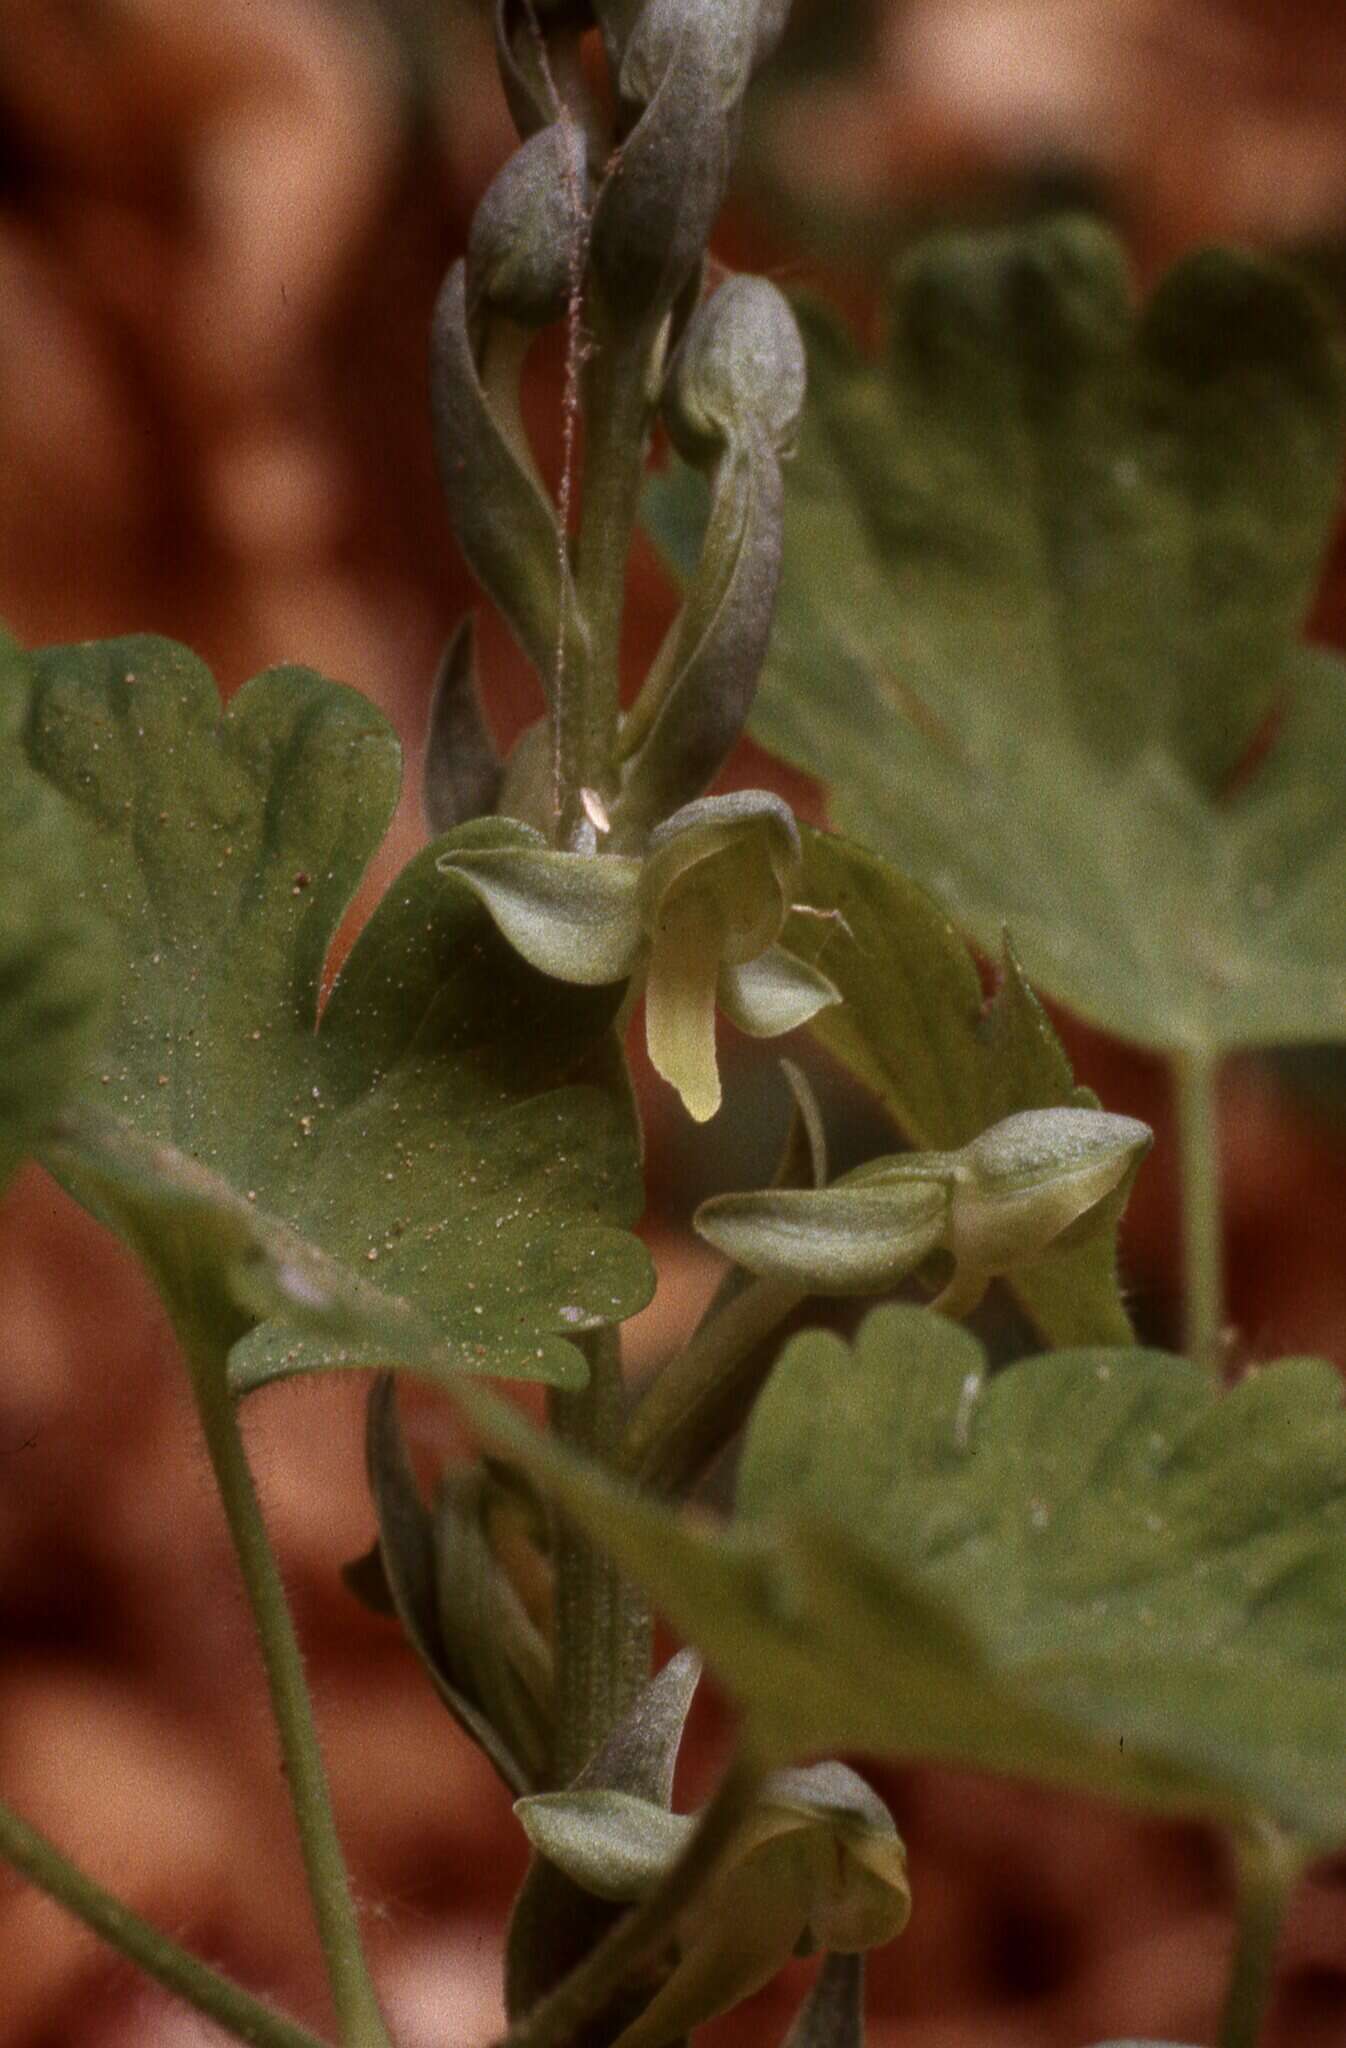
x,y
522,246
1022,1187
525,72
739,371
657,205
732,38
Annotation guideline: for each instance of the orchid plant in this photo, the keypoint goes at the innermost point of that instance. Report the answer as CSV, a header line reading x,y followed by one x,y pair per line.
x,y
1037,580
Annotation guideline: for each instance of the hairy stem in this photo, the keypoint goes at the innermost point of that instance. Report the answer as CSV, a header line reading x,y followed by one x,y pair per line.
x,y
1194,1081
602,1625
361,2023
218,1997
703,1396
1268,1869
555,2022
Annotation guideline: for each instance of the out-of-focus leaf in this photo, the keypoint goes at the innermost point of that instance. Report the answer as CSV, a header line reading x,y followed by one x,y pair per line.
x,y
1095,1569
1046,567
54,955
456,1129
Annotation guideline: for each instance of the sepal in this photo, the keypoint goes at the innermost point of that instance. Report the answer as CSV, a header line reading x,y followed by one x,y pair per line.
x,y
733,37
773,994
840,1240
569,915
1037,1180
611,1844
741,851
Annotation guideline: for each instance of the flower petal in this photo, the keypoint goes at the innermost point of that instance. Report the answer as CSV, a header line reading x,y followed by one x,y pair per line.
x,y
743,849
570,915
774,993
680,1000
837,1240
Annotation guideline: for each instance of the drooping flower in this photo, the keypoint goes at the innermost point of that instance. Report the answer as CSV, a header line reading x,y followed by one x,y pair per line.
x,y
1037,1182
698,916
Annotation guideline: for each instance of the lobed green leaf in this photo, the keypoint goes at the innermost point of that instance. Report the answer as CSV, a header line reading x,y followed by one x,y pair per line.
x,y
55,960
1094,1569
455,1127
1046,569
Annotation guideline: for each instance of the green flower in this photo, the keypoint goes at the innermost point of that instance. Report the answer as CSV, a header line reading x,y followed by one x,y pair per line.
x,y
817,1864
1035,1183
698,916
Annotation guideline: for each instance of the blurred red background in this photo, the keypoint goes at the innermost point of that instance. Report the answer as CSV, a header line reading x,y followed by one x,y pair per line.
x,y
221,232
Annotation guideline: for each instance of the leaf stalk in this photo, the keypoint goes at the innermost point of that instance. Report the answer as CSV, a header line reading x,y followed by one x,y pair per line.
x,y
1195,1073
1268,1864
360,2020
211,1993
702,1397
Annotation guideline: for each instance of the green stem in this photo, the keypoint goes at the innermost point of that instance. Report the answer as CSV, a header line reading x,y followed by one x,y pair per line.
x,y
361,2023
1268,1869
602,1622
703,1396
616,426
218,1997
1194,1081
556,2021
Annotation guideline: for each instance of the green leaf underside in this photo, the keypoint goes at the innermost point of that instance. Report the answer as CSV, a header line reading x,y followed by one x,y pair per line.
x,y
457,1130
1093,1569
913,1027
54,955
1046,568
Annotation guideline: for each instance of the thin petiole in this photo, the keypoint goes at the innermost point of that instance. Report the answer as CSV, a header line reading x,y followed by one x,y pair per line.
x,y
1269,1865
1194,1075
217,1996
361,2022
702,1397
